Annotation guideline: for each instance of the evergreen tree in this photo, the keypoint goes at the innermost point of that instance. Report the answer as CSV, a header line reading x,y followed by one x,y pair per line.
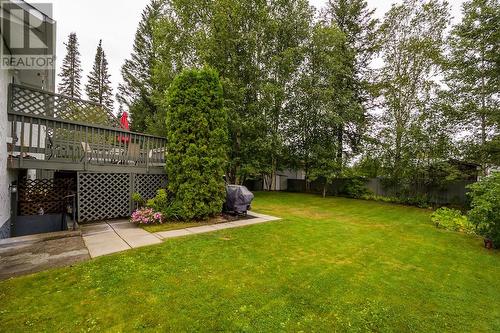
x,y
98,87
473,74
196,145
356,21
71,71
138,89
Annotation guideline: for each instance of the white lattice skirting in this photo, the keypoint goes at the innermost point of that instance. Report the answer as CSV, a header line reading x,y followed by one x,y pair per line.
x,y
108,195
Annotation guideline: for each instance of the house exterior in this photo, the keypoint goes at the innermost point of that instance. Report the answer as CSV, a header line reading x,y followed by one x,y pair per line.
x,y
40,78
6,175
54,147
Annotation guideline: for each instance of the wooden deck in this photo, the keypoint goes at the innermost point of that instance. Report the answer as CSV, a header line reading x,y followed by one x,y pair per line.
x,y
55,132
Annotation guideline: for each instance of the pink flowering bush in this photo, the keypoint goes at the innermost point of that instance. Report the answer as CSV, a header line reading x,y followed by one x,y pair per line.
x,y
146,216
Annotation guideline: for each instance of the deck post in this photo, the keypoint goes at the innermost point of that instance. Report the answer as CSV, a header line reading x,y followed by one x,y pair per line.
x,y
147,154
131,191
13,189
21,147
85,157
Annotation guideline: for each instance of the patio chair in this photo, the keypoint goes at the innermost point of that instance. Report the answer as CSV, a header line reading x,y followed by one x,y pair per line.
x,y
133,153
87,149
156,156
93,154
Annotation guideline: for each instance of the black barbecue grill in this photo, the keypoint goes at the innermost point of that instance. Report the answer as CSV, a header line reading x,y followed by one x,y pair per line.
x,y
238,199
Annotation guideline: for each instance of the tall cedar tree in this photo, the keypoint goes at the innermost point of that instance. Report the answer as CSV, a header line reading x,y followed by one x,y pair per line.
x,y
98,87
356,21
137,90
71,71
196,145
473,75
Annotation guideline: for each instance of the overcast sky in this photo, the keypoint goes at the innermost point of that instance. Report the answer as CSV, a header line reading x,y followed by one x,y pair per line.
x,y
115,22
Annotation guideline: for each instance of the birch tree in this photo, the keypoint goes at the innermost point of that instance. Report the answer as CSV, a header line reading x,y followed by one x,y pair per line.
x,y
473,74
412,42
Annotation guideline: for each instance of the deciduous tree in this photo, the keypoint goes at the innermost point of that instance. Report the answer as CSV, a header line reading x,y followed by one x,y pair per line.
x,y
412,42
473,74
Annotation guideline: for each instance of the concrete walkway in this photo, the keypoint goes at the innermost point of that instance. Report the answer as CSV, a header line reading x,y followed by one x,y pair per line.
x,y
115,236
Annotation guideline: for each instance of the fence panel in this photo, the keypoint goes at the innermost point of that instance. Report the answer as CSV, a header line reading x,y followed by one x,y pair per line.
x,y
453,193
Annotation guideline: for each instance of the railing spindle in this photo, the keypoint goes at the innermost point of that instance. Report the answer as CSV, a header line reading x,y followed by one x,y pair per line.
x,y
22,142
30,142
38,136
73,151
92,146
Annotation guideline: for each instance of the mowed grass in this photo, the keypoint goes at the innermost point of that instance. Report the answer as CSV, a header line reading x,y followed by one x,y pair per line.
x,y
331,264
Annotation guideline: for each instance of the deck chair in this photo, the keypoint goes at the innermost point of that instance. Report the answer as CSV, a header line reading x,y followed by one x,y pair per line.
x,y
156,156
90,152
94,154
133,153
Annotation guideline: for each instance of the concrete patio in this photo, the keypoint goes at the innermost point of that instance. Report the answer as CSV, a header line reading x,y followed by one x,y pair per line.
x,y
30,254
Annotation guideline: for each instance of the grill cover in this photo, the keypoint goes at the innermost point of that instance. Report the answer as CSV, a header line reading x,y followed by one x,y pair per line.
x,y
238,199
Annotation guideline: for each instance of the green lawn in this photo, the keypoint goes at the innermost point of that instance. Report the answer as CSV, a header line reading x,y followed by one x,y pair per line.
x,y
330,265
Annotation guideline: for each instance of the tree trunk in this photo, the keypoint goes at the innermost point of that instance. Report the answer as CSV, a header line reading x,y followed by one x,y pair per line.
x,y
397,154
324,189
237,154
483,118
273,175
306,179
340,146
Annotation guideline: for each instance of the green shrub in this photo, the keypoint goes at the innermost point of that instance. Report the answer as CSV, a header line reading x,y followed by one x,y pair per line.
x,y
138,199
419,201
485,203
452,219
197,136
160,202
381,198
356,188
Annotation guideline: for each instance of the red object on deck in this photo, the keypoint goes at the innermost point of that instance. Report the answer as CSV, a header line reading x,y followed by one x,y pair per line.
x,y
124,125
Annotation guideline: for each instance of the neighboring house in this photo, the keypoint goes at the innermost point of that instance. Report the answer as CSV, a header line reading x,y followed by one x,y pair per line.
x,y
281,181
42,79
282,177
469,171
56,150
